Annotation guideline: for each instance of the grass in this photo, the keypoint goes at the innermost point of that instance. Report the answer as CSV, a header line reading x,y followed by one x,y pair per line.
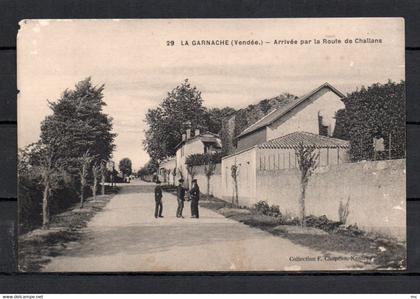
x,y
383,253
36,247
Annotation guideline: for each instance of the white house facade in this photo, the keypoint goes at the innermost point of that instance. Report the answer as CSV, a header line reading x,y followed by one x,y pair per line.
x,y
270,144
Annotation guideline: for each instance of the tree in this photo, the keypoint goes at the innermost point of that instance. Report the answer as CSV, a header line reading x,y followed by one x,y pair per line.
x,y
192,171
148,169
234,172
167,122
78,116
103,176
96,172
43,159
377,111
307,160
125,167
216,117
209,169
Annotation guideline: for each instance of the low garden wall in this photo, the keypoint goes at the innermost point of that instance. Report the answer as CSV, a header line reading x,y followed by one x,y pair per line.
x,y
375,190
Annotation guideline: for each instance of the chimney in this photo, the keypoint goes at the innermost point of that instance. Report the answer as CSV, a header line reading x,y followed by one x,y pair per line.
x,y
184,137
197,132
188,131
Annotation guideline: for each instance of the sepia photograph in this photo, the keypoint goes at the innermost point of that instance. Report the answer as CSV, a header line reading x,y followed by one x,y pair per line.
x,y
211,145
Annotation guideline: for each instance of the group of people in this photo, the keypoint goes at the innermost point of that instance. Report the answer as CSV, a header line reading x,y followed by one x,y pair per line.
x,y
193,196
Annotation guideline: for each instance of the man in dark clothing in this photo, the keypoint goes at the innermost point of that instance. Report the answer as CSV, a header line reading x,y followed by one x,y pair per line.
x,y
180,194
158,200
195,197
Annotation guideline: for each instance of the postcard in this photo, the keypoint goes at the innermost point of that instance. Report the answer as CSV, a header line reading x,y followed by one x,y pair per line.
x,y
174,145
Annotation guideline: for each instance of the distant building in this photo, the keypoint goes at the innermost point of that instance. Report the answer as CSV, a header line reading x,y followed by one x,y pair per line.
x,y
200,143
166,170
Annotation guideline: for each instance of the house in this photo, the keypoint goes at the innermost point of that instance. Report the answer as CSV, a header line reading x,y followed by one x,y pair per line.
x,y
200,143
166,171
270,143
312,113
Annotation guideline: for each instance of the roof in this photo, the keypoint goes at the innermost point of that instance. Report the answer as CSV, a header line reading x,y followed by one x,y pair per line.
x,y
293,140
280,112
206,137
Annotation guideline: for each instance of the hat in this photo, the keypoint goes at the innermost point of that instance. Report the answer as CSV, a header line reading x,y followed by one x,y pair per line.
x,y
180,180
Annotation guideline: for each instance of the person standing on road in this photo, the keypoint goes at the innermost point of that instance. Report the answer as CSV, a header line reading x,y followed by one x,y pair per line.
x,y
180,195
158,200
194,197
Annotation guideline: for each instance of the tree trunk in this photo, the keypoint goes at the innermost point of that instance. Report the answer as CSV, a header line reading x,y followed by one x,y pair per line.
x,y
302,205
95,185
82,191
45,207
82,188
208,187
236,193
103,183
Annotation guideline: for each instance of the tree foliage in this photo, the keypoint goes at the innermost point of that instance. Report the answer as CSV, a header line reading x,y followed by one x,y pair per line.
x,y
167,122
375,112
79,120
182,108
203,159
149,168
125,166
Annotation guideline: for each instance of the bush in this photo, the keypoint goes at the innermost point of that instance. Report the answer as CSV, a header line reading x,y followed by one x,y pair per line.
x,y
275,211
203,159
262,207
30,191
322,222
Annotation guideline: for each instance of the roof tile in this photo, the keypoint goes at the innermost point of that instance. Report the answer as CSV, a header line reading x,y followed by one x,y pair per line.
x,y
293,140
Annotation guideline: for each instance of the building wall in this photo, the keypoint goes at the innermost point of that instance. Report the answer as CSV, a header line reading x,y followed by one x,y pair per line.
x,y
256,137
215,181
246,162
376,190
326,102
190,147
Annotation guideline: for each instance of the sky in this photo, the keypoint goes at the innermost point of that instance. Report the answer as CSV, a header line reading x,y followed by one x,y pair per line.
x,y
132,58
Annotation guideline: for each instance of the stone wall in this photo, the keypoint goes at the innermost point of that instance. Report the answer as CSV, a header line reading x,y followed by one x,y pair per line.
x,y
376,190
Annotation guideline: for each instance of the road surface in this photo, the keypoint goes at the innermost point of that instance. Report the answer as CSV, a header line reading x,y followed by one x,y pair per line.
x,y
126,237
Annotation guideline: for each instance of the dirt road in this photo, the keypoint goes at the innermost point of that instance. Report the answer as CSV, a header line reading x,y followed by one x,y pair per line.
x,y
126,237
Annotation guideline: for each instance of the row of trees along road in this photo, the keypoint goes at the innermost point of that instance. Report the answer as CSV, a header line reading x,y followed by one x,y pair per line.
x,y
75,143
